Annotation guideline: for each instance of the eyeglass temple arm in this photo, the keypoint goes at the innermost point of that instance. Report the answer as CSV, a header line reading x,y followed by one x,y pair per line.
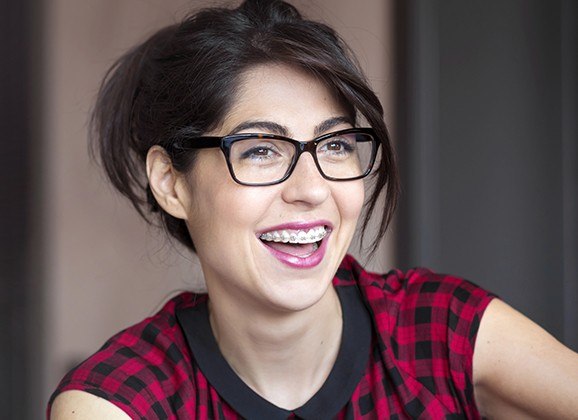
x,y
197,143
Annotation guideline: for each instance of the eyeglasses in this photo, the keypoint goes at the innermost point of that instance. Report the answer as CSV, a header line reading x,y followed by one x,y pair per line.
x,y
268,159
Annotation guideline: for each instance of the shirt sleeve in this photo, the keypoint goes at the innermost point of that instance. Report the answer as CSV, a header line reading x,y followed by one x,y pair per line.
x,y
442,315
106,374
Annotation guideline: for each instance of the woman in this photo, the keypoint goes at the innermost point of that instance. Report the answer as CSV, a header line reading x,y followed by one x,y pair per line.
x,y
197,125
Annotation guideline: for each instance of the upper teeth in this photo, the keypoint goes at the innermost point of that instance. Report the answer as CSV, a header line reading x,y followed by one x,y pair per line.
x,y
295,236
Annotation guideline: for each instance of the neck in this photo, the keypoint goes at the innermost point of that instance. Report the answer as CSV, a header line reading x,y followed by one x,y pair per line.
x,y
284,357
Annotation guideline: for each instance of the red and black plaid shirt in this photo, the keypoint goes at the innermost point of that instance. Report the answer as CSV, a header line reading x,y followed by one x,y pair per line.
x,y
421,329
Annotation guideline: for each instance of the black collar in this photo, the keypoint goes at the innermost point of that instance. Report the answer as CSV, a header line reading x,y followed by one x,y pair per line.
x,y
331,397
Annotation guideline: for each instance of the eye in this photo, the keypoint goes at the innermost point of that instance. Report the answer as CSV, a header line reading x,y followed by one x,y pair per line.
x,y
259,153
338,146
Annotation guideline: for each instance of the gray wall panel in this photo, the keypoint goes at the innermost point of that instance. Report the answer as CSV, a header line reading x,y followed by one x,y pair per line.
x,y
489,194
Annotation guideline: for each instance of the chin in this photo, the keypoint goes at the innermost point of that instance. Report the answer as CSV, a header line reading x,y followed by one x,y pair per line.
x,y
299,294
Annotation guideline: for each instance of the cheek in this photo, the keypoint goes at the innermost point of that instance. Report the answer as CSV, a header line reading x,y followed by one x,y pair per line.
x,y
350,199
205,183
220,208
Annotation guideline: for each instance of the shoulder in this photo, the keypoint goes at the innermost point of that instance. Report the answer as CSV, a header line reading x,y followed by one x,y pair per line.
x,y
399,290
139,362
521,370
421,306
426,325
82,405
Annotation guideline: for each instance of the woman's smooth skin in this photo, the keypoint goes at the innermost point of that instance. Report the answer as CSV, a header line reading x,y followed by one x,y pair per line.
x,y
269,317
80,405
521,371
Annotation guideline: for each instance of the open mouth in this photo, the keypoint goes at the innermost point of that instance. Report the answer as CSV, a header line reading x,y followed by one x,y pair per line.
x,y
300,243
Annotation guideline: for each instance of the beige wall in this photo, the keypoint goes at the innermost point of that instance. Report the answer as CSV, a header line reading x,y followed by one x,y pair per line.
x,y
105,268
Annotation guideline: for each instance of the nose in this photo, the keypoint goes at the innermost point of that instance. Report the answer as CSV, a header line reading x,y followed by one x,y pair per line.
x,y
306,185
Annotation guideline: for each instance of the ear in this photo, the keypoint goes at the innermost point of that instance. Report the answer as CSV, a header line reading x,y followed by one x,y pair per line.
x,y
166,183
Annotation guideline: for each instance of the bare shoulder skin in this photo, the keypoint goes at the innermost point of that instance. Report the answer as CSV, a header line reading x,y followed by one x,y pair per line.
x,y
521,371
80,405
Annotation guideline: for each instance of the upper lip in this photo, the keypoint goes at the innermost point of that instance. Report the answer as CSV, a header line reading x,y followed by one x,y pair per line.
x,y
299,225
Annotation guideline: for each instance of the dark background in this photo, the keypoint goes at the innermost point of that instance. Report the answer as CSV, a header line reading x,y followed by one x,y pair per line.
x,y
488,103
20,169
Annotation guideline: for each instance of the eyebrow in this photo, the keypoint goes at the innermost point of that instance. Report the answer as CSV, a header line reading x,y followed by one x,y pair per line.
x,y
262,125
281,130
331,123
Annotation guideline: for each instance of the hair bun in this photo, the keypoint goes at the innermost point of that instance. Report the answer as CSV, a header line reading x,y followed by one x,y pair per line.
x,y
270,10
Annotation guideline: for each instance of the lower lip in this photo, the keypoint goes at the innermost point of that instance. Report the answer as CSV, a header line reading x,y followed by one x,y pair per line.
x,y
294,261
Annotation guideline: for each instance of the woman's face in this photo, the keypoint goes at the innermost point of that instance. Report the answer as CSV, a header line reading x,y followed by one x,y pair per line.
x,y
227,221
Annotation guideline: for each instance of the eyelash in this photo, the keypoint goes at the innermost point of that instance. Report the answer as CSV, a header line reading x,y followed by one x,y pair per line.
x,y
254,153
345,145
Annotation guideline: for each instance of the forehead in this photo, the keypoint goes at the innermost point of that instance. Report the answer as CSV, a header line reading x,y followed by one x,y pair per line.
x,y
284,95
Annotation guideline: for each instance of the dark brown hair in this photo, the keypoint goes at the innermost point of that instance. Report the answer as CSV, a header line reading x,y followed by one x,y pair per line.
x,y
183,79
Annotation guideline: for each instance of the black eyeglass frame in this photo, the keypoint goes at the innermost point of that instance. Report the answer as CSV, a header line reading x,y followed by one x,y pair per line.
x,y
225,143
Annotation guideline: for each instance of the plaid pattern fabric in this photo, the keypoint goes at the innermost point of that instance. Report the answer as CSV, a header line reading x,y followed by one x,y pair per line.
x,y
425,325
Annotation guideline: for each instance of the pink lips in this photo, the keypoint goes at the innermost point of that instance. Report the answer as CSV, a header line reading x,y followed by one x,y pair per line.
x,y
294,261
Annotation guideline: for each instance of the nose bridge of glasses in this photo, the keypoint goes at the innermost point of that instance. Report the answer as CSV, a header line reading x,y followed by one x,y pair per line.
x,y
309,147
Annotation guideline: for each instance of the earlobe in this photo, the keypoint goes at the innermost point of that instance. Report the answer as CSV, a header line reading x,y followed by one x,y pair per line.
x,y
165,183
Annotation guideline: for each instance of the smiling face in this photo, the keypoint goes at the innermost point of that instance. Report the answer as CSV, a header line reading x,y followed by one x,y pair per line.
x,y
277,246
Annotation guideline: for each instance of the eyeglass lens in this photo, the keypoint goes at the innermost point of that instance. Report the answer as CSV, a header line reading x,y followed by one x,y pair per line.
x,y
259,160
